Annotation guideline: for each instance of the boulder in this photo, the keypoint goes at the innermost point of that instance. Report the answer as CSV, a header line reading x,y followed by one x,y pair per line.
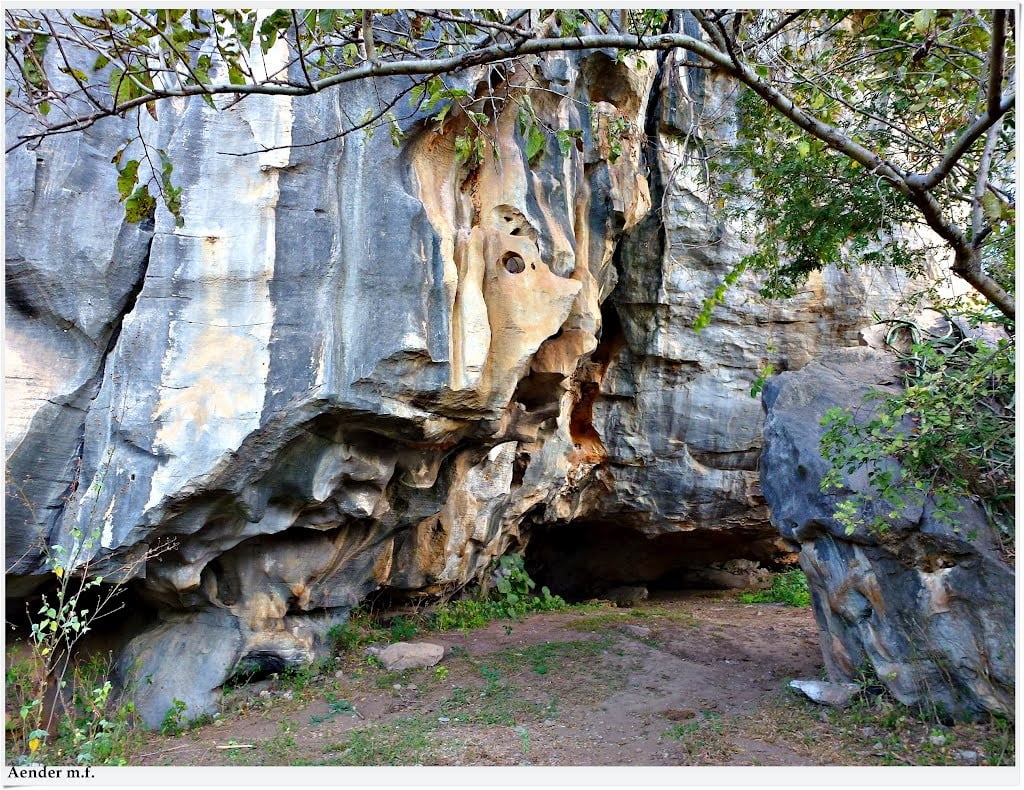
x,y
926,607
410,655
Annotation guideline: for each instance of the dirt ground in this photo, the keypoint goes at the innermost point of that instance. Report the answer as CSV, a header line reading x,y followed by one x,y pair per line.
x,y
601,687
686,679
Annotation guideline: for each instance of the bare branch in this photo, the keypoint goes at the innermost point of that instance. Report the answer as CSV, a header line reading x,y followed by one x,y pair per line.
x,y
777,28
995,60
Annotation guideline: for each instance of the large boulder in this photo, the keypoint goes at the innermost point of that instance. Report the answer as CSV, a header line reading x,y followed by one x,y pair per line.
x,y
925,606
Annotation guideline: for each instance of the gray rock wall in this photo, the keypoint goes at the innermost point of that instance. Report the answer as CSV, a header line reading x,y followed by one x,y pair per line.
x,y
329,382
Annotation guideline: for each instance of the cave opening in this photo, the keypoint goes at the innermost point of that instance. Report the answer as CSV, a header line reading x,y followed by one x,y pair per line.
x,y
583,560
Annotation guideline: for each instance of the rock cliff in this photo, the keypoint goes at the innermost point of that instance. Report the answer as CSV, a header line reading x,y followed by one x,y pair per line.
x,y
363,366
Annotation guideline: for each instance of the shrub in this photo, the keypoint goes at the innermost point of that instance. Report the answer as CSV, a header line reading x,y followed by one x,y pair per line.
x,y
948,435
509,599
789,588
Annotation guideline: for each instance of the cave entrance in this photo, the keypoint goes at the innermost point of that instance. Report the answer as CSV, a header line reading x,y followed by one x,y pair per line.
x,y
585,559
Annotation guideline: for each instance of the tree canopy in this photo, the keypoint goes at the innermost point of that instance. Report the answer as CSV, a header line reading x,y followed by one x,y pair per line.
x,y
857,122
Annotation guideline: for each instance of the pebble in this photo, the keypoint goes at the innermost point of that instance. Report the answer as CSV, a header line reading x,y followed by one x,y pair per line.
x,y
339,674
411,687
937,740
265,693
968,756
397,687
288,695
444,720
867,731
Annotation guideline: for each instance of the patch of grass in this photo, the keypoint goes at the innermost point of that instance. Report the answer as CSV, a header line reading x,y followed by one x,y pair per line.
x,y
335,707
499,702
386,680
547,655
281,749
404,741
598,623
95,727
880,731
789,588
704,739
403,629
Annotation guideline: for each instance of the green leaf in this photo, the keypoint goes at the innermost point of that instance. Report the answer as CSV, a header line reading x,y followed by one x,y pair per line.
x,y
923,20
803,147
120,86
535,141
565,138
140,205
235,74
127,177
992,206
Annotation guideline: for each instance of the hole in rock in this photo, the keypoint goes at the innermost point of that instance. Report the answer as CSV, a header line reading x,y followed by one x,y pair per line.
x,y
513,263
585,559
255,666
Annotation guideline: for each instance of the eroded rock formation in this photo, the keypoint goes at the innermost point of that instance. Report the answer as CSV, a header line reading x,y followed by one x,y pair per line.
x,y
924,607
363,366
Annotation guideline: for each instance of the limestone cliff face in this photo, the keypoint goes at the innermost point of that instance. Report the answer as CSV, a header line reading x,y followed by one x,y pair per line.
x,y
362,366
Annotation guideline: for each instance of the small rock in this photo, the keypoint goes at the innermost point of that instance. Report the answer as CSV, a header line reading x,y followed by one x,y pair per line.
x,y
838,695
410,655
627,597
639,631
287,695
937,740
444,719
339,674
265,693
411,687
397,687
968,756
867,732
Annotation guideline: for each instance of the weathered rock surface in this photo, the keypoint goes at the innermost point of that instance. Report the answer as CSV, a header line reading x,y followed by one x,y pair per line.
x,y
926,607
362,367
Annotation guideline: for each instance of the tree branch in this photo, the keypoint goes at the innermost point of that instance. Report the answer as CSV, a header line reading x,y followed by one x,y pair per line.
x,y
995,60
962,145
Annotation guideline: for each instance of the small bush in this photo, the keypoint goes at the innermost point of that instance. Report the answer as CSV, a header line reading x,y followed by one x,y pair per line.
x,y
789,588
510,599
174,721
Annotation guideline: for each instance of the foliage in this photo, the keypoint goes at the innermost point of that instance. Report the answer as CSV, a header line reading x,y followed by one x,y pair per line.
x,y
901,83
174,722
789,588
96,727
510,598
64,705
946,436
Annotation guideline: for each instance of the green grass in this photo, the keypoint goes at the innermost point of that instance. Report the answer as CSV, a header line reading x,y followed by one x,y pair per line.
x,y
789,588
405,741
